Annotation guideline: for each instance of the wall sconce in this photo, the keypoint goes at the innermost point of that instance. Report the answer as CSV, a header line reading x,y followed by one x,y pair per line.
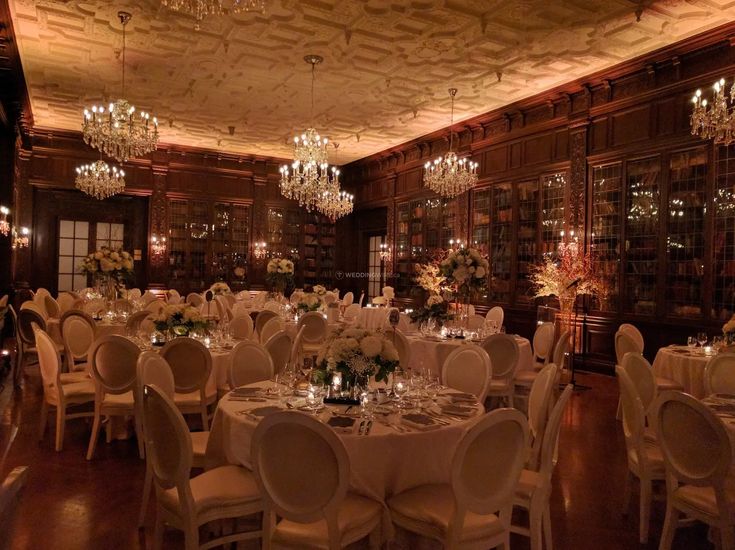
x,y
158,245
4,223
260,251
21,239
386,252
456,244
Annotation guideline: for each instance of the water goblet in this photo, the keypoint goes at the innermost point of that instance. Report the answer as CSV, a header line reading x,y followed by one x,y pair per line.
x,y
702,338
691,342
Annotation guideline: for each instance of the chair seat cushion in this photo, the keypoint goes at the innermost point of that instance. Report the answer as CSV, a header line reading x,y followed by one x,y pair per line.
x,y
199,442
74,392
355,513
527,484
217,488
498,385
703,498
666,384
653,456
119,400
432,506
71,377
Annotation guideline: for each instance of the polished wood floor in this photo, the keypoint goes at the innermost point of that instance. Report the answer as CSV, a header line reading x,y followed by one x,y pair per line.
x,y
71,503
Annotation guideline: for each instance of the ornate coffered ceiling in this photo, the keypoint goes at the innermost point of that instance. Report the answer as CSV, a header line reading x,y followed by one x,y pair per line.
x,y
387,66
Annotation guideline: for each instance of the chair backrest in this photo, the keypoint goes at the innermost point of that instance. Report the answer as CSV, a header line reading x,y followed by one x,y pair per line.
x,y
404,322
624,343
149,297
222,307
26,318
347,299
640,373
403,347
251,363
547,459
77,332
4,301
496,314
561,349
230,299
504,354
315,327
694,443
539,404
155,306
65,301
168,447
289,448
362,299
194,299
279,347
121,304
719,374
273,325
468,369
95,307
153,370
240,309
486,467
52,307
352,311
174,296
262,318
34,306
475,322
241,327
633,332
49,361
132,325
543,341
11,492
134,294
112,361
634,418
190,362
42,292
297,348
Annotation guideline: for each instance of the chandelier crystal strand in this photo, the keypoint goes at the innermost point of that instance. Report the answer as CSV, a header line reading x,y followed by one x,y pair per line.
x,y
715,121
100,180
119,130
335,203
450,176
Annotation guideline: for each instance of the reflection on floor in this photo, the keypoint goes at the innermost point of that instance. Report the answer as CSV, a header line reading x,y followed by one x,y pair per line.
x,y
74,504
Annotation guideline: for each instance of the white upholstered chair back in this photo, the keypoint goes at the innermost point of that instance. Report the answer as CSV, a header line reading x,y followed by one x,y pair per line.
x,y
468,369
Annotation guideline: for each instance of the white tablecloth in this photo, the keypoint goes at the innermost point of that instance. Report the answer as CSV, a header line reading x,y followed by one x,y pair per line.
x,y
686,367
430,353
383,463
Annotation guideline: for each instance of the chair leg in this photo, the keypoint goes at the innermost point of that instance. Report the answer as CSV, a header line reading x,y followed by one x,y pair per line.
x,y
139,436
670,524
645,511
60,423
93,437
191,536
158,531
547,527
44,420
147,485
626,492
535,518
510,399
268,525
205,418
108,430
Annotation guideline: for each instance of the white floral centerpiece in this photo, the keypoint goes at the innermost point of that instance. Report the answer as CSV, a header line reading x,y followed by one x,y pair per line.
x,y
428,277
279,274
109,266
308,301
357,353
728,332
465,271
319,290
220,289
180,319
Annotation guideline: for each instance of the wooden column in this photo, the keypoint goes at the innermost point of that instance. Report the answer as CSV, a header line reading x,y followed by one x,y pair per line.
x,y
158,225
22,216
578,177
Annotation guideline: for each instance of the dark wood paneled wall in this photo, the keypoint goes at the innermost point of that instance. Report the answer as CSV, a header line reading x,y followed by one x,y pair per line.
x,y
639,108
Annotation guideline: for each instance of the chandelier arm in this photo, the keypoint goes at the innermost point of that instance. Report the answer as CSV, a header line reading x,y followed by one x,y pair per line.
x,y
313,78
124,25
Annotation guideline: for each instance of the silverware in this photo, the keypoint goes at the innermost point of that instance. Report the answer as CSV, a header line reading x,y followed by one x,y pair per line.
x,y
361,428
368,427
289,405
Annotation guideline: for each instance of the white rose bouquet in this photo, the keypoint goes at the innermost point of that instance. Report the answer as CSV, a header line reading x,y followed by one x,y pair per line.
x,y
308,301
319,290
279,273
220,289
465,271
108,262
357,352
181,319
389,293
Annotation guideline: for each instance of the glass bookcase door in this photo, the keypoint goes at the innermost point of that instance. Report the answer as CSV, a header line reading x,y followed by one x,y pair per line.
x,y
501,242
723,299
178,211
642,230
481,220
449,228
607,200
222,241
402,249
416,227
685,233
433,224
528,211
553,187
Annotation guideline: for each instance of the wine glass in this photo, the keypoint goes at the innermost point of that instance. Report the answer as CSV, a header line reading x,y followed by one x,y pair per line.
x,y
400,386
717,343
702,338
691,342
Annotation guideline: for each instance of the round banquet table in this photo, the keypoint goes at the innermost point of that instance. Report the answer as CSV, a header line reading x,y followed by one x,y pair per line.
x,y
386,461
102,328
683,365
431,352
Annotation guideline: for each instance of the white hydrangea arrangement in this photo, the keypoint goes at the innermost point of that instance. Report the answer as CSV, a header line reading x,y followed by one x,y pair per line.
x,y
465,270
319,290
220,289
108,262
308,301
181,319
357,352
279,273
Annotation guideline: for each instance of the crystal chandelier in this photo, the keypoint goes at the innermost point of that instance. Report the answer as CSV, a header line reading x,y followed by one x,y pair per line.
x,y
199,9
335,203
119,130
4,223
21,238
386,253
158,245
260,250
309,177
449,176
715,121
99,180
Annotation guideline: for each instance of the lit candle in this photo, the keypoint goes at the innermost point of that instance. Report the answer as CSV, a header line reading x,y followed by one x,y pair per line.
x,y
337,382
207,341
707,350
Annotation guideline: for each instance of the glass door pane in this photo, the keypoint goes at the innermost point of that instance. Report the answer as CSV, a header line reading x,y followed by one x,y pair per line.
x,y
481,220
552,213
607,199
527,238
501,242
723,301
